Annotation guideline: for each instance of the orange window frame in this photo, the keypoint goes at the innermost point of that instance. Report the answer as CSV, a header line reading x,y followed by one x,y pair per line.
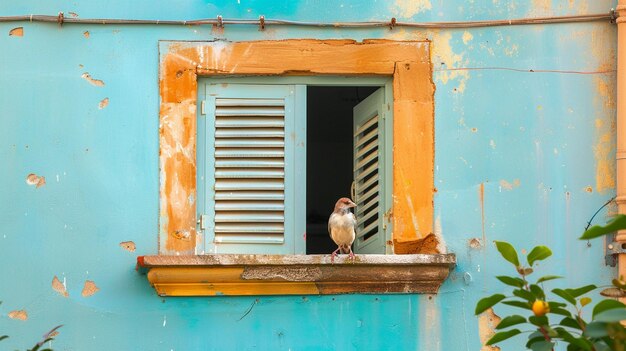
x,y
407,62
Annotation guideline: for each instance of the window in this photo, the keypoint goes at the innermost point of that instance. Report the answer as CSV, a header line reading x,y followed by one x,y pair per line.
x,y
406,63
256,192
405,201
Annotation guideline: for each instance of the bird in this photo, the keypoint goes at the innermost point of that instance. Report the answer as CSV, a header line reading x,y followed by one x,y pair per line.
x,y
342,227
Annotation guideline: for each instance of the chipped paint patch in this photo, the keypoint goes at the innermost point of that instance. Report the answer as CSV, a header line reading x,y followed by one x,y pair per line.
x,y
104,103
487,323
17,32
59,287
86,34
73,14
89,288
481,198
410,8
509,186
128,246
21,315
37,181
444,58
589,189
467,37
511,51
474,243
492,144
541,7
96,82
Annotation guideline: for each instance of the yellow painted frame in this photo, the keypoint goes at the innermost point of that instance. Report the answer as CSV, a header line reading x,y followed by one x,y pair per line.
x,y
408,62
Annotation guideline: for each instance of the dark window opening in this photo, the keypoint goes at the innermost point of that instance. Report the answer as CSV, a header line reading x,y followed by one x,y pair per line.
x,y
329,158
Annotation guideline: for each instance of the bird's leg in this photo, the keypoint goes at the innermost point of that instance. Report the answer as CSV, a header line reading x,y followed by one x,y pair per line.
x,y
332,255
351,253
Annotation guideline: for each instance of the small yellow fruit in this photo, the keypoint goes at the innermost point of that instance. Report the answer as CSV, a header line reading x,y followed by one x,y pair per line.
x,y
540,308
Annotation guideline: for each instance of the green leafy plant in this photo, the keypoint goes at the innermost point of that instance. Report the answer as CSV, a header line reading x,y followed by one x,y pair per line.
x,y
557,316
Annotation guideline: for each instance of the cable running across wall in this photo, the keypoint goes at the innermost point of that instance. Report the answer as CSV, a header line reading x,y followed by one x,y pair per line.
x,y
262,22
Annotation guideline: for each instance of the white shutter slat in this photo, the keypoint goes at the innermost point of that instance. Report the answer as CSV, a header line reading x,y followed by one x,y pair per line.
x,y
249,161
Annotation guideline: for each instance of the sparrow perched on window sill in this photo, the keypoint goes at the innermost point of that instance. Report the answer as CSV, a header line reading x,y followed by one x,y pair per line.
x,y
342,227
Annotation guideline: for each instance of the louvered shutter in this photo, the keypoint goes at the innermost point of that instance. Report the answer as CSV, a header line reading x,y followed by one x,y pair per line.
x,y
250,169
368,173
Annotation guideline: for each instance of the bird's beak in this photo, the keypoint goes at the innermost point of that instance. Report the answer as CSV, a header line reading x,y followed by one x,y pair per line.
x,y
352,204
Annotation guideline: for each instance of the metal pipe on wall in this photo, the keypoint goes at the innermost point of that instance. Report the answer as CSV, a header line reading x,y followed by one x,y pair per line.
x,y
621,127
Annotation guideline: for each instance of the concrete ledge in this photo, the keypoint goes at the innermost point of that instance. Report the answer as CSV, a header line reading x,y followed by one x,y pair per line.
x,y
236,275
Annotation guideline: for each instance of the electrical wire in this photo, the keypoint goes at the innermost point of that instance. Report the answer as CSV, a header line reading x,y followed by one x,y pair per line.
x,y
263,22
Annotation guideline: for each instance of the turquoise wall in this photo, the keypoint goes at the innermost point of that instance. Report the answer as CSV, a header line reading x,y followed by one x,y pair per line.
x,y
539,144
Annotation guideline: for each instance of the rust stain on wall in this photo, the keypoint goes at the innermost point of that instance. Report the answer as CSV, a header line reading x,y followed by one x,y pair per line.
x,y
19,314
128,246
59,287
86,34
103,103
487,323
17,32
37,181
89,288
605,142
96,82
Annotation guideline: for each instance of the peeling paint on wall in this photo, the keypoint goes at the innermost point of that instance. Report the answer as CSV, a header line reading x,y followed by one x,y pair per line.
x,y
17,32
509,186
86,34
128,246
467,37
21,315
89,288
487,323
474,243
92,81
59,287
37,181
604,147
444,58
410,8
104,103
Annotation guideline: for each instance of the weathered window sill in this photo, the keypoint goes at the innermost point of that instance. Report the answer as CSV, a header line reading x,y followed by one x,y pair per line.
x,y
209,275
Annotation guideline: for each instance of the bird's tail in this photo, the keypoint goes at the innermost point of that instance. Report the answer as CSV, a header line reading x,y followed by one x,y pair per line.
x,y
344,249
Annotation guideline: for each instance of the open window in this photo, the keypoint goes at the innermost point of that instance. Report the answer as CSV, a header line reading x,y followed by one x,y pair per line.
x,y
403,168
274,158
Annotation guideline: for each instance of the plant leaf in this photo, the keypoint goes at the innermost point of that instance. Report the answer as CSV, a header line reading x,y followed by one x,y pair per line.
x,y
581,291
560,311
524,294
511,281
2,337
617,223
538,321
537,291
612,315
548,277
508,252
567,336
596,330
585,301
487,302
510,320
605,305
517,303
619,283
565,295
534,337
570,322
538,253
542,345
501,336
